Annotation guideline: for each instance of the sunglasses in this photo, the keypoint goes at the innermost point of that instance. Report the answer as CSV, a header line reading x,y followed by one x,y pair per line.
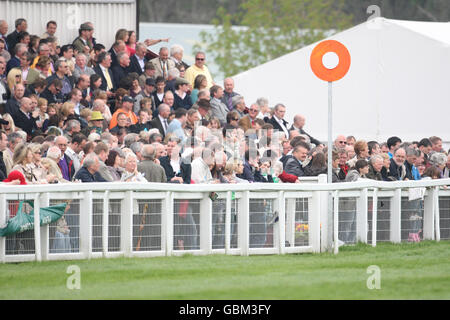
x,y
343,142
200,59
235,119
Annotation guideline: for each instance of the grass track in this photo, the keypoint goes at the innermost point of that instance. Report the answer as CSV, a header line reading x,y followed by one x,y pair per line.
x,y
408,271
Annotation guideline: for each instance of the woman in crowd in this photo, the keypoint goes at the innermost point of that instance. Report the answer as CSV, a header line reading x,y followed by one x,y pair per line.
x,y
22,159
131,174
38,169
10,127
200,82
131,43
115,164
360,171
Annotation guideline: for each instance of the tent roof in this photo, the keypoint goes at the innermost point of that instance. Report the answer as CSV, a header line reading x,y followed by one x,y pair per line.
x,y
439,31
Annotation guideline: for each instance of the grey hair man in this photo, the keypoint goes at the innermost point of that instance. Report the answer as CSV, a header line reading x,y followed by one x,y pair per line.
x,y
152,171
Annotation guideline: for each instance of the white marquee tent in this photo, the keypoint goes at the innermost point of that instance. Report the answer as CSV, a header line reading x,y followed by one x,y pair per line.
x,y
398,83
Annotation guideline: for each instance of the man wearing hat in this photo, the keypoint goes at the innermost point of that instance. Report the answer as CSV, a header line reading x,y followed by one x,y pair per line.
x,y
181,97
146,93
82,43
97,124
127,108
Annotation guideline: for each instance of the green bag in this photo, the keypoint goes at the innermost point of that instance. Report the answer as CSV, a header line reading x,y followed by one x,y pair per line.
x,y
23,221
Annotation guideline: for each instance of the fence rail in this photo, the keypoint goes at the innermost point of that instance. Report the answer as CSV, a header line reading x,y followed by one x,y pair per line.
x,y
148,220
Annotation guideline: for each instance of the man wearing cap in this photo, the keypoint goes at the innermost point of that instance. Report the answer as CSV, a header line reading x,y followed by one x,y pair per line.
x,y
127,108
82,43
149,72
146,93
181,97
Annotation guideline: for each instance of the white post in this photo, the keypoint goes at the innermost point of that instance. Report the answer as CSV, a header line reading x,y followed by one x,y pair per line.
x,y
45,241
290,221
86,225
3,207
206,224
281,230
429,215
336,222
374,217
437,214
167,223
228,223
37,227
126,237
326,215
396,214
314,222
105,223
244,225
361,216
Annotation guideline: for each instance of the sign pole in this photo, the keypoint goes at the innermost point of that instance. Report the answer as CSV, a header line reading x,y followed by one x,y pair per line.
x,y
330,167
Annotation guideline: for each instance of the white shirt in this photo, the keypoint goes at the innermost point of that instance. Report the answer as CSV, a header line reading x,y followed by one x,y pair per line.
x,y
74,157
141,62
286,131
200,171
164,123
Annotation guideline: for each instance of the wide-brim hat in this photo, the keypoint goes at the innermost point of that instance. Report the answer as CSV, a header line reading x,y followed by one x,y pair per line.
x,y
96,115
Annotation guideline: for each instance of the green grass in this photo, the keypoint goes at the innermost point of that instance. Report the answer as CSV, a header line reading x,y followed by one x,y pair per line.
x,y
408,271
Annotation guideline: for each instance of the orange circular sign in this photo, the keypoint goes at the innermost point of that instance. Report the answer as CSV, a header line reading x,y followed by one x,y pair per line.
x,y
323,72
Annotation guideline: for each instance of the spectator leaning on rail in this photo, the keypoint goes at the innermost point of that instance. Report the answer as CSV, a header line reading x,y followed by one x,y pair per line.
x,y
89,170
397,169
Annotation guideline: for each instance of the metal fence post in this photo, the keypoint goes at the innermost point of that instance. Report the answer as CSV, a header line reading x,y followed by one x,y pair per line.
x,y
37,227
437,214
280,233
374,217
429,215
361,216
206,224
126,237
228,223
326,216
45,241
86,225
244,225
167,224
336,223
396,214
105,223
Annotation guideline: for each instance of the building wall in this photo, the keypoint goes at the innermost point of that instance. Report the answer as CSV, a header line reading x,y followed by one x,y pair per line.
x,y
107,17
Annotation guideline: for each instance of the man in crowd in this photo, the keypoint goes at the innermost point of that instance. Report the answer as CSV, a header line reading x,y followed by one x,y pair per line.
x,y
299,123
199,68
297,163
163,64
228,93
83,43
13,38
397,169
127,109
138,60
277,121
103,69
152,171
161,121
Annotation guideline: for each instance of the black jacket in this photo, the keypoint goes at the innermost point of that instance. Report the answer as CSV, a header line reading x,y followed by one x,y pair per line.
x,y
26,124
185,170
135,66
104,85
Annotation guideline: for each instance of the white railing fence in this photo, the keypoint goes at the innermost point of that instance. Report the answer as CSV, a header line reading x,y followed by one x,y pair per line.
x,y
148,220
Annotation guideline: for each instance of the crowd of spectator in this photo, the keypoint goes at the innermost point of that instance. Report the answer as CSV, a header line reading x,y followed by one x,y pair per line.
x,y
81,113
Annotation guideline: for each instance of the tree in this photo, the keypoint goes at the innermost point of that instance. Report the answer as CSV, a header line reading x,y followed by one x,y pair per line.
x,y
269,29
